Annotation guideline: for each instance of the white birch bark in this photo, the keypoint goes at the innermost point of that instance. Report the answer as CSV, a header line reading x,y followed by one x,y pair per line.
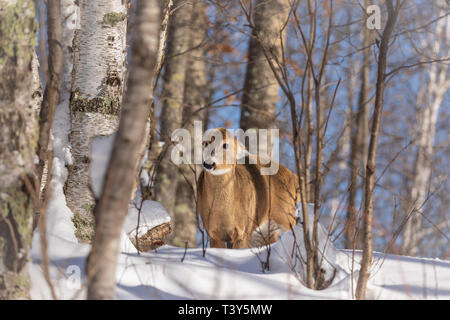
x,y
99,49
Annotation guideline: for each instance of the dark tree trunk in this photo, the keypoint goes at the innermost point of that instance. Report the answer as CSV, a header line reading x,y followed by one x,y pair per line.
x,y
171,117
185,226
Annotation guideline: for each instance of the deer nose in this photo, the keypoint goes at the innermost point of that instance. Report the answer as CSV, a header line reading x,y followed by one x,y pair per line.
x,y
208,165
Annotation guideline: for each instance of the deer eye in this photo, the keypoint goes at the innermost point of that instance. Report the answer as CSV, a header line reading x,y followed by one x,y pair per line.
x,y
225,146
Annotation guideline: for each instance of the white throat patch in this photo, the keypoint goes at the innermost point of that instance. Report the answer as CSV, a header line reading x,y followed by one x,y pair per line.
x,y
219,172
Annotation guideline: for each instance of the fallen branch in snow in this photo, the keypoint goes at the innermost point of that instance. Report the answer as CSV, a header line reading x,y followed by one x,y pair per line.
x,y
154,238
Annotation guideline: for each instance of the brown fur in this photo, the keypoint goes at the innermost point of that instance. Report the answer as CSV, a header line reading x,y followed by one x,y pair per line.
x,y
233,205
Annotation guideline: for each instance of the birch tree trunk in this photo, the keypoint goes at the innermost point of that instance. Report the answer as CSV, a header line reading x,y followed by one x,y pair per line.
x,y
20,93
111,210
260,93
99,48
436,87
185,226
167,177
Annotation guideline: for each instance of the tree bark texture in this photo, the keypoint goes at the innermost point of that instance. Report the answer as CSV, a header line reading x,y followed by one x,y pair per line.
x,y
20,94
99,49
260,92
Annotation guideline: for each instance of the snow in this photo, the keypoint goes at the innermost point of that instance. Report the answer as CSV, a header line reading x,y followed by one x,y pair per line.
x,y
234,274
152,214
101,149
100,153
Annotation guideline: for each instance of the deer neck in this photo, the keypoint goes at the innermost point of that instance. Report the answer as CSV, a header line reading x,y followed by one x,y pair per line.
x,y
223,183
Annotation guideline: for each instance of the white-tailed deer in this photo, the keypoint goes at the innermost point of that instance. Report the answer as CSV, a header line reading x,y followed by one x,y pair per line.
x,y
239,207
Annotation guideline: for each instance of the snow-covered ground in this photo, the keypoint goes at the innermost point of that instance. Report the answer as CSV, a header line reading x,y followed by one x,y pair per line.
x,y
226,273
